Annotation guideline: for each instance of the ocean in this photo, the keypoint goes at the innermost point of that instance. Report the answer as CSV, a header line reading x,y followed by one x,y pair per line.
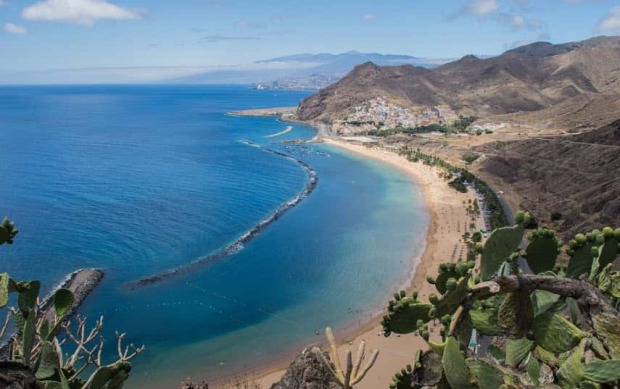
x,y
143,180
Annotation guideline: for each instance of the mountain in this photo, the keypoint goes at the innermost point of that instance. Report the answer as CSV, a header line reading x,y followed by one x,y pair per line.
x,y
303,71
573,175
528,78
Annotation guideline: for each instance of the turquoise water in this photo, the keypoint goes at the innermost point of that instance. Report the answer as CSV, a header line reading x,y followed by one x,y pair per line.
x,y
139,180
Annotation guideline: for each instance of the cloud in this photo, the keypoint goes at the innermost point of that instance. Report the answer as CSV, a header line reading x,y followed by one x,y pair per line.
x,y
369,17
518,22
82,12
250,25
482,8
611,22
222,38
15,29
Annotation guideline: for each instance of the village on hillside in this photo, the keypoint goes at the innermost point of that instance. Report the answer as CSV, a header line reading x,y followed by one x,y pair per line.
x,y
381,114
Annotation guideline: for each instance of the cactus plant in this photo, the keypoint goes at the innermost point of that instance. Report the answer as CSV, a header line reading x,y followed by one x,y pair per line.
x,y
515,314
603,371
556,334
571,372
580,252
534,310
353,373
517,350
404,314
542,250
498,247
485,375
485,322
454,365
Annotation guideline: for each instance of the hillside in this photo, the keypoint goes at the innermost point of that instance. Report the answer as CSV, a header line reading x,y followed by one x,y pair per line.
x,y
575,175
529,78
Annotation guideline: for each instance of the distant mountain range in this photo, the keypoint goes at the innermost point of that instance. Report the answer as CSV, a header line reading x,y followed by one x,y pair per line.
x,y
303,71
529,78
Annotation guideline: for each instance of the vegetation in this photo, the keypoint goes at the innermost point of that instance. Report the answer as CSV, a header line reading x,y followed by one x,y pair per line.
x,y
504,328
496,214
410,130
470,157
353,373
460,125
463,122
39,347
555,216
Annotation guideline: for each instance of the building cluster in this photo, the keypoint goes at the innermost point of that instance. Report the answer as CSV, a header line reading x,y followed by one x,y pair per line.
x,y
380,114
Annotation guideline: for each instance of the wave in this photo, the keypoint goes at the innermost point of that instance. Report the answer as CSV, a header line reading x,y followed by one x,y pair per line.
x,y
238,244
288,129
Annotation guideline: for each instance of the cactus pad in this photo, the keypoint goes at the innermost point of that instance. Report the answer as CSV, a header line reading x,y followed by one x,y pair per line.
x,y
403,315
580,252
454,365
28,294
498,247
48,362
556,334
515,314
452,299
570,374
63,301
403,379
485,322
485,375
608,252
603,371
544,301
533,369
607,327
4,289
542,250
517,350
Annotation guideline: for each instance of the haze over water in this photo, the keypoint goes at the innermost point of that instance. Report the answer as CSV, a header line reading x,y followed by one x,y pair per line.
x,y
138,180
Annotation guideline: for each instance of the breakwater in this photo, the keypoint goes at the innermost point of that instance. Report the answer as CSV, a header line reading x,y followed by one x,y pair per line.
x,y
237,245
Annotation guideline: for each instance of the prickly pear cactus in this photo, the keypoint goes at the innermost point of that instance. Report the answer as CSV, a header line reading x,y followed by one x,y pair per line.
x,y
455,367
515,314
557,327
542,250
498,248
486,376
580,252
405,314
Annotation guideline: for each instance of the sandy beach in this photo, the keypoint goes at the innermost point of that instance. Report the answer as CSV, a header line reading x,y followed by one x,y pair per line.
x,y
449,221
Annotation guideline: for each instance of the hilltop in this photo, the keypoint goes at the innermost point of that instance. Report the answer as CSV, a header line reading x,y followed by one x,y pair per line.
x,y
547,117
526,79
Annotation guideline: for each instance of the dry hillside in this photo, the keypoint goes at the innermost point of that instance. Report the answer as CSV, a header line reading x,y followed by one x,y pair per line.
x,y
529,78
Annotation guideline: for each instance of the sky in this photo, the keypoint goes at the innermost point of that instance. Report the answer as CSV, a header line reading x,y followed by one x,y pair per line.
x,y
163,37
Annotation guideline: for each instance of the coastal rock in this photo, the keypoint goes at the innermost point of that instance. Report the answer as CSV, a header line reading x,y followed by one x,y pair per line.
x,y
307,372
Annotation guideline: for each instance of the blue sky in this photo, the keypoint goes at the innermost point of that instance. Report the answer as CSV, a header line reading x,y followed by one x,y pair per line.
x,y
38,35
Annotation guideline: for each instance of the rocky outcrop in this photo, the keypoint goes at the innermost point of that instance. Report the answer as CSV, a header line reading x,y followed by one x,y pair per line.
x,y
14,375
307,372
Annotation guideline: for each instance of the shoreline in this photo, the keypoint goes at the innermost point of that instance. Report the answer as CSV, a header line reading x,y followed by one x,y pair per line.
x,y
447,217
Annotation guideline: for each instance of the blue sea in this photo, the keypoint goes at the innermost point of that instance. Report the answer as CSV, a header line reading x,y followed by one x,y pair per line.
x,y
142,180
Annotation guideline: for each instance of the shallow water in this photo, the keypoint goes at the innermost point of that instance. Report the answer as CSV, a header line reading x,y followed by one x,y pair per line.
x,y
139,180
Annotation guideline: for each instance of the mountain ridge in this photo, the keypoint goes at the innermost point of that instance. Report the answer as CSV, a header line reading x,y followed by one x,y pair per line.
x,y
528,78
